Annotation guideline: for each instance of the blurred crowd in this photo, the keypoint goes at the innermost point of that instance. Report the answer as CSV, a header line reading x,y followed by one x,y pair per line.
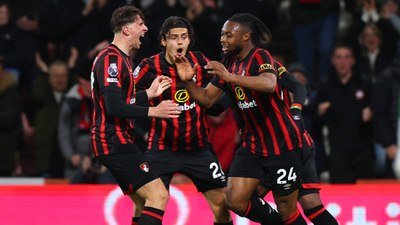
x,y
344,51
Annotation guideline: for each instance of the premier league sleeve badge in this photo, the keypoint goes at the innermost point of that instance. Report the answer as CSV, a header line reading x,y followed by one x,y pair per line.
x,y
112,72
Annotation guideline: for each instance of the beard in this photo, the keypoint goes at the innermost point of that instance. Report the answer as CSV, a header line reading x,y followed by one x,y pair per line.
x,y
234,52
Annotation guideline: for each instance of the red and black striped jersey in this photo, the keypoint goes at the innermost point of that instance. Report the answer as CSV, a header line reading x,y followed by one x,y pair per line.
x,y
268,128
285,95
111,72
190,130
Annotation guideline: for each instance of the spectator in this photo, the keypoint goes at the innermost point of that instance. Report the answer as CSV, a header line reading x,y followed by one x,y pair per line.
x,y
311,122
370,14
385,106
91,171
48,93
343,103
74,122
10,126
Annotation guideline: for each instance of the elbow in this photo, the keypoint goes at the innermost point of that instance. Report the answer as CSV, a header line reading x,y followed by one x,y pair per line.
x,y
270,88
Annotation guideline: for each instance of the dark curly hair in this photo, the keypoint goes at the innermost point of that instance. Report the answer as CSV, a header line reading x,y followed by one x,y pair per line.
x,y
175,22
260,34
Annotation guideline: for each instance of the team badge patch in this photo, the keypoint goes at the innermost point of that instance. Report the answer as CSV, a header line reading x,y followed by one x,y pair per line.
x,y
113,70
145,167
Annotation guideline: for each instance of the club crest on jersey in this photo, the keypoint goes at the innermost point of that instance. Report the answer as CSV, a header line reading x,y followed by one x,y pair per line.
x,y
132,101
112,70
243,72
194,78
145,167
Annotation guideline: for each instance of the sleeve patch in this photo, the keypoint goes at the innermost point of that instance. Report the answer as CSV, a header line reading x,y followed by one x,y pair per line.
x,y
265,67
281,70
112,70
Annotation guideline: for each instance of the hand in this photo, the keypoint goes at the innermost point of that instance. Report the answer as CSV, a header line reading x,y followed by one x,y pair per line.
x,y
74,53
391,151
166,109
40,63
185,70
218,69
159,85
323,107
75,160
366,114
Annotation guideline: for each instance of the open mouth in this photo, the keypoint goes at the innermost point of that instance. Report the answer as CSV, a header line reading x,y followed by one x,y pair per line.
x,y
180,50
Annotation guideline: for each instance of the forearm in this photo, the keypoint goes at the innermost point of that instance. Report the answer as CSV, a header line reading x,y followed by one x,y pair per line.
x,y
142,96
259,83
117,108
299,91
201,95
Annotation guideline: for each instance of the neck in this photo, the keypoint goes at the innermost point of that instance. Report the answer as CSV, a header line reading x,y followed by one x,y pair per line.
x,y
169,60
121,44
345,78
245,51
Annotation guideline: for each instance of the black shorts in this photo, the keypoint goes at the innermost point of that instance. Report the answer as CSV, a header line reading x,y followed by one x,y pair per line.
x,y
129,168
310,181
282,173
201,166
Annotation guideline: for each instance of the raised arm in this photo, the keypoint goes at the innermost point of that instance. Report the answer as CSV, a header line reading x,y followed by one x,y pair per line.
x,y
205,97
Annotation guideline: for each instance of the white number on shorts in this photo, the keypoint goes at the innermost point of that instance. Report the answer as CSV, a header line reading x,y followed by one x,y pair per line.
x,y
281,179
215,167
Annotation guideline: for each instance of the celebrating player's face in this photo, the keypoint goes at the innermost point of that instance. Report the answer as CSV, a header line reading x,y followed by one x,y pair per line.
x,y
135,31
231,38
177,42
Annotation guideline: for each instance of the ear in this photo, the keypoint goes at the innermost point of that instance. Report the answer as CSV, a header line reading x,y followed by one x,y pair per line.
x,y
246,36
163,42
125,31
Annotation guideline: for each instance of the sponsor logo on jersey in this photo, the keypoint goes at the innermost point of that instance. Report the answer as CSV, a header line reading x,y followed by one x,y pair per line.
x,y
240,93
112,80
246,105
182,96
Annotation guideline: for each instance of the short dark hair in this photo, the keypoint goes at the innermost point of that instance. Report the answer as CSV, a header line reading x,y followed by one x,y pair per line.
x,y
175,22
123,16
260,34
343,45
